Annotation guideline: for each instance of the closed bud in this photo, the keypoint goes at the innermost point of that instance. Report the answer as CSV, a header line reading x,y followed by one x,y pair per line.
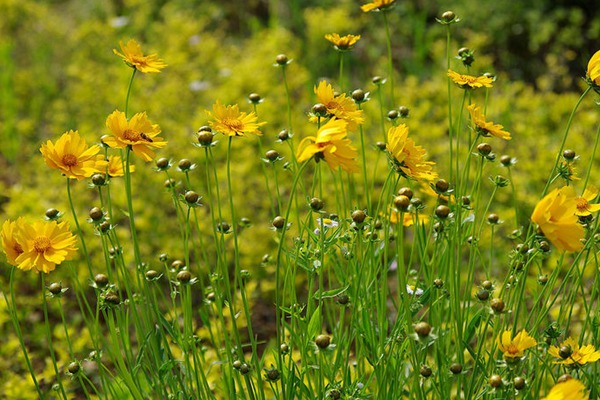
x,y
456,368
162,163
96,214
358,216
55,288
393,114
519,383
425,371
423,329
272,155
52,213
184,276
73,367
281,59
442,211
442,185
403,111
495,381
191,197
283,135
358,95
401,202
254,98
205,138
405,191
279,222
569,154
184,164
101,280
497,305
98,179
448,16
316,204
484,148
323,341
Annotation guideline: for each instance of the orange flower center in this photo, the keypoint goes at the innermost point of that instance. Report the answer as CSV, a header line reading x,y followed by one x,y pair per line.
x,y
69,160
17,248
512,350
131,135
233,124
41,244
582,204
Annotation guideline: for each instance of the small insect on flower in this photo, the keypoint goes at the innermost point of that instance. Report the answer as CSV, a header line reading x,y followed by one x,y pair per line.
x,y
138,132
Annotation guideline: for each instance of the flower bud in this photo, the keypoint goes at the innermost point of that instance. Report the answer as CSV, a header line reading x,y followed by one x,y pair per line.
x,y
244,369
101,280
281,59
423,329
323,341
96,214
456,368
273,375
442,185
448,16
55,288
393,114
484,149
319,110
272,155
495,381
98,179
254,98
403,111
405,191
358,216
184,276
358,95
316,204
191,197
519,383
442,211
569,154
162,163
177,265
506,160
279,222
401,202
52,213
205,138
184,164
73,367
497,305
425,371
283,135
493,218
236,364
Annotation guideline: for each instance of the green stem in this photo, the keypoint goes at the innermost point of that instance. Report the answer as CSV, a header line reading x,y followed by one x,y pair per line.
x,y
390,61
129,93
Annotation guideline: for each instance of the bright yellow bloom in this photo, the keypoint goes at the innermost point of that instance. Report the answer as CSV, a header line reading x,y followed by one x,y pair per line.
x,y
409,158
568,390
555,215
409,219
484,127
584,208
11,243
133,56
593,69
377,5
72,156
579,355
514,349
138,132
332,145
342,43
229,121
341,106
470,82
45,245
115,166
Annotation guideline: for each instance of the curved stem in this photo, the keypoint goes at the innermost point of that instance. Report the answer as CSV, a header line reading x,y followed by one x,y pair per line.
x,y
129,93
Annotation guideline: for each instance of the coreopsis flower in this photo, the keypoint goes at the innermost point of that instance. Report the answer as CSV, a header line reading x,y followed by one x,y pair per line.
x,y
230,121
342,43
72,156
138,133
469,81
10,240
593,69
584,208
574,354
571,389
408,219
484,127
377,5
408,158
133,56
555,215
332,145
44,245
341,106
115,166
514,348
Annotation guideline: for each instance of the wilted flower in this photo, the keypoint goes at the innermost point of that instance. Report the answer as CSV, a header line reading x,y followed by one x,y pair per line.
x,y
138,132
578,355
341,106
342,43
514,348
377,5
568,390
484,127
470,82
133,56
408,158
230,121
584,208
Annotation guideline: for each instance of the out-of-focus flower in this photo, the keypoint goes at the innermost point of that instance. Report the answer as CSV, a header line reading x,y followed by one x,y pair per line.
x,y
571,389
413,290
469,81
138,132
326,223
10,241
555,215
341,106
593,69
514,348
584,208
408,219
484,127
230,121
72,156
332,145
133,56
377,5
115,166
342,43
408,158
576,355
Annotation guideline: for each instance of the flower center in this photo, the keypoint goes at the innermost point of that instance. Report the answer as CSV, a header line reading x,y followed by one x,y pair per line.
x,y
582,204
512,350
234,124
69,160
41,244
17,248
131,135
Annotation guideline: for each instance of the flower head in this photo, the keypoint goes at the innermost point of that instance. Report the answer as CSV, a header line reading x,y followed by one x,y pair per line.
x,y
407,218
11,243
230,121
133,56
584,208
571,389
408,158
555,215
514,348
578,356
72,156
593,69
484,127
470,82
115,166
342,43
332,145
138,132
341,106
377,5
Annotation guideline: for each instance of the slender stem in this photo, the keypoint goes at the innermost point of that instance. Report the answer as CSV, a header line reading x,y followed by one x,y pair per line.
x,y
390,60
341,78
592,159
129,93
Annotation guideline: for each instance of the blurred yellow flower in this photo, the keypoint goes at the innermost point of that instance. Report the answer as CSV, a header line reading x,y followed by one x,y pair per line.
x,y
568,390
470,82
514,349
408,158
584,208
115,166
593,69
484,127
138,133
340,106
44,245
133,56
332,145
578,355
408,219
229,121
342,43
377,5
72,156
10,240
555,215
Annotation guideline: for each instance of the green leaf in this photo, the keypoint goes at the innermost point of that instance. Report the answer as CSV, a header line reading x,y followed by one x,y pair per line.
x,y
330,293
314,325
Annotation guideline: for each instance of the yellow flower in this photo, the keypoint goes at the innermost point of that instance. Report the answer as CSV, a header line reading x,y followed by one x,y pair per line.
x,y
568,390
593,69
484,127
45,245
115,166
11,243
579,355
584,208
409,219
377,5
138,132
342,43
408,158
555,215
72,156
514,349
341,106
470,82
229,121
332,145
133,56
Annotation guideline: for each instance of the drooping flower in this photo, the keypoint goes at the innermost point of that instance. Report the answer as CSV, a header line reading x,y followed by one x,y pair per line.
x,y
332,145
72,156
514,348
555,215
571,389
115,167
45,245
138,133
408,158
133,56
341,106
377,5
584,208
593,69
484,127
11,243
469,81
576,355
230,121
342,43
